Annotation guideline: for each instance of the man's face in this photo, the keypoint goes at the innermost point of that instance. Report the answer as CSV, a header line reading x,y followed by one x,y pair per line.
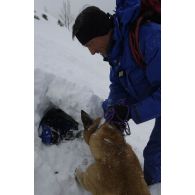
x,y
99,45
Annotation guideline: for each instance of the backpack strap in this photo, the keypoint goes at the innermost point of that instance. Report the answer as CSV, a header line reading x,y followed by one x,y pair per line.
x,y
150,11
134,43
154,4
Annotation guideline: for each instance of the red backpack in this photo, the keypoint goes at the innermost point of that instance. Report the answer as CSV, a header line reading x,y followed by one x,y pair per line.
x,y
150,11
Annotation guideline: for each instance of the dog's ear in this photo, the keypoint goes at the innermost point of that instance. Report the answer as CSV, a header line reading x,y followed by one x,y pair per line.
x,y
95,124
86,119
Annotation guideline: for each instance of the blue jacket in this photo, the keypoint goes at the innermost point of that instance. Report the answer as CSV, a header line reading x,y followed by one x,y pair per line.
x,y
140,87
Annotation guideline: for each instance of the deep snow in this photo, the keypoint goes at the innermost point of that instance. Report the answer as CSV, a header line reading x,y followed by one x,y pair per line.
x,y
69,77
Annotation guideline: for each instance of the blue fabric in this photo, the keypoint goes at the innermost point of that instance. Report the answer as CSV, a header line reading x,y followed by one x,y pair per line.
x,y
152,155
46,134
140,87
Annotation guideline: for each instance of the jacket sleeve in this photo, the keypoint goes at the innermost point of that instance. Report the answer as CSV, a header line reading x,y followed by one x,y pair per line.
x,y
147,109
150,107
117,92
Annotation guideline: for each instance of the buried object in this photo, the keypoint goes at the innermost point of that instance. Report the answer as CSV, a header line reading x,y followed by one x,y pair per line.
x,y
56,125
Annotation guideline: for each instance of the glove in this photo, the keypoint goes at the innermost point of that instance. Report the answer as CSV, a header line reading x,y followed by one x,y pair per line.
x,y
118,115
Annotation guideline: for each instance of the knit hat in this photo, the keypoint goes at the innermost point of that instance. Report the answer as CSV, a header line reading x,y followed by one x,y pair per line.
x,y
90,23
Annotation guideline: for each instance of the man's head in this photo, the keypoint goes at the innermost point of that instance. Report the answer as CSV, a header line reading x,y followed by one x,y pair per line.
x,y
93,28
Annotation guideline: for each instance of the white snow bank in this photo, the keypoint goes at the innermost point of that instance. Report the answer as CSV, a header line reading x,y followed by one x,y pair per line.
x,y
66,157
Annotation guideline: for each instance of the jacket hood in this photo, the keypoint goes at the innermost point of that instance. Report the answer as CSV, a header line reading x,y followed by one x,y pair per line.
x,y
126,12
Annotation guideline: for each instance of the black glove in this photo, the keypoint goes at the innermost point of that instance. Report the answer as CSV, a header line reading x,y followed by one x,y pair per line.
x,y
118,115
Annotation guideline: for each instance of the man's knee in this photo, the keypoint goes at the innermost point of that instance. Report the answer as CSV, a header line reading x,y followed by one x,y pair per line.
x,y
152,173
152,157
152,162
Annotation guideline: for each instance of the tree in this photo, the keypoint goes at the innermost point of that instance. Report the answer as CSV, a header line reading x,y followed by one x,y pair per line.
x,y
65,14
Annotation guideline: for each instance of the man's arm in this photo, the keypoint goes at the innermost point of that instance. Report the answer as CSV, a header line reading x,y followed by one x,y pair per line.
x,y
150,107
117,92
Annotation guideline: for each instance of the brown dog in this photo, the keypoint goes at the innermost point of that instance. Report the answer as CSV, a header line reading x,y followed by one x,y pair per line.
x,y
116,170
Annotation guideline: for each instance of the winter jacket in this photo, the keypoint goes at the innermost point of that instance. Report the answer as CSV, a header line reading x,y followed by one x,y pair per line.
x,y
139,86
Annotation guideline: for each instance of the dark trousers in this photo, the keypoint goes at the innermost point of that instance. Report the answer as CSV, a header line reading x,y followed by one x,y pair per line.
x,y
152,155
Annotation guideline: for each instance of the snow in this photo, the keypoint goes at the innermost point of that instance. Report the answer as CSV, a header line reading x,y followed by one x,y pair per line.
x,y
54,7
67,76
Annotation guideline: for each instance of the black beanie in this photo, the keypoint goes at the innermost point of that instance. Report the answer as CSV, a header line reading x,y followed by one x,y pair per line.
x,y
90,23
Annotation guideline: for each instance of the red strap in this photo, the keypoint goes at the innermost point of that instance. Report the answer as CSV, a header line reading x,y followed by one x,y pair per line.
x,y
154,4
134,44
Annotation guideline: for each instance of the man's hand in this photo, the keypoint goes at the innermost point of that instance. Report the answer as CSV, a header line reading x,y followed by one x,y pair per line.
x,y
117,113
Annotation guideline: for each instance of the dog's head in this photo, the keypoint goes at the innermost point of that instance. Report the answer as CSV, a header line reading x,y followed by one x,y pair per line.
x,y
86,119
108,140
89,124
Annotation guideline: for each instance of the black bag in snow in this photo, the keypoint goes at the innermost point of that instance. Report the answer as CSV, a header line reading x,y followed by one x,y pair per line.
x,y
55,126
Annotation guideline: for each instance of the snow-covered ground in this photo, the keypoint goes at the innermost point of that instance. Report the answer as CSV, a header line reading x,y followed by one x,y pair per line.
x,y
54,8
69,77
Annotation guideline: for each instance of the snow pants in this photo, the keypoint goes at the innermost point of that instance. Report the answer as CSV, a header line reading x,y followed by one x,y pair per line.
x,y
152,155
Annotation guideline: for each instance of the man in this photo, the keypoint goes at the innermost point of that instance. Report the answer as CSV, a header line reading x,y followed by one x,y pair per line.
x,y
134,91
